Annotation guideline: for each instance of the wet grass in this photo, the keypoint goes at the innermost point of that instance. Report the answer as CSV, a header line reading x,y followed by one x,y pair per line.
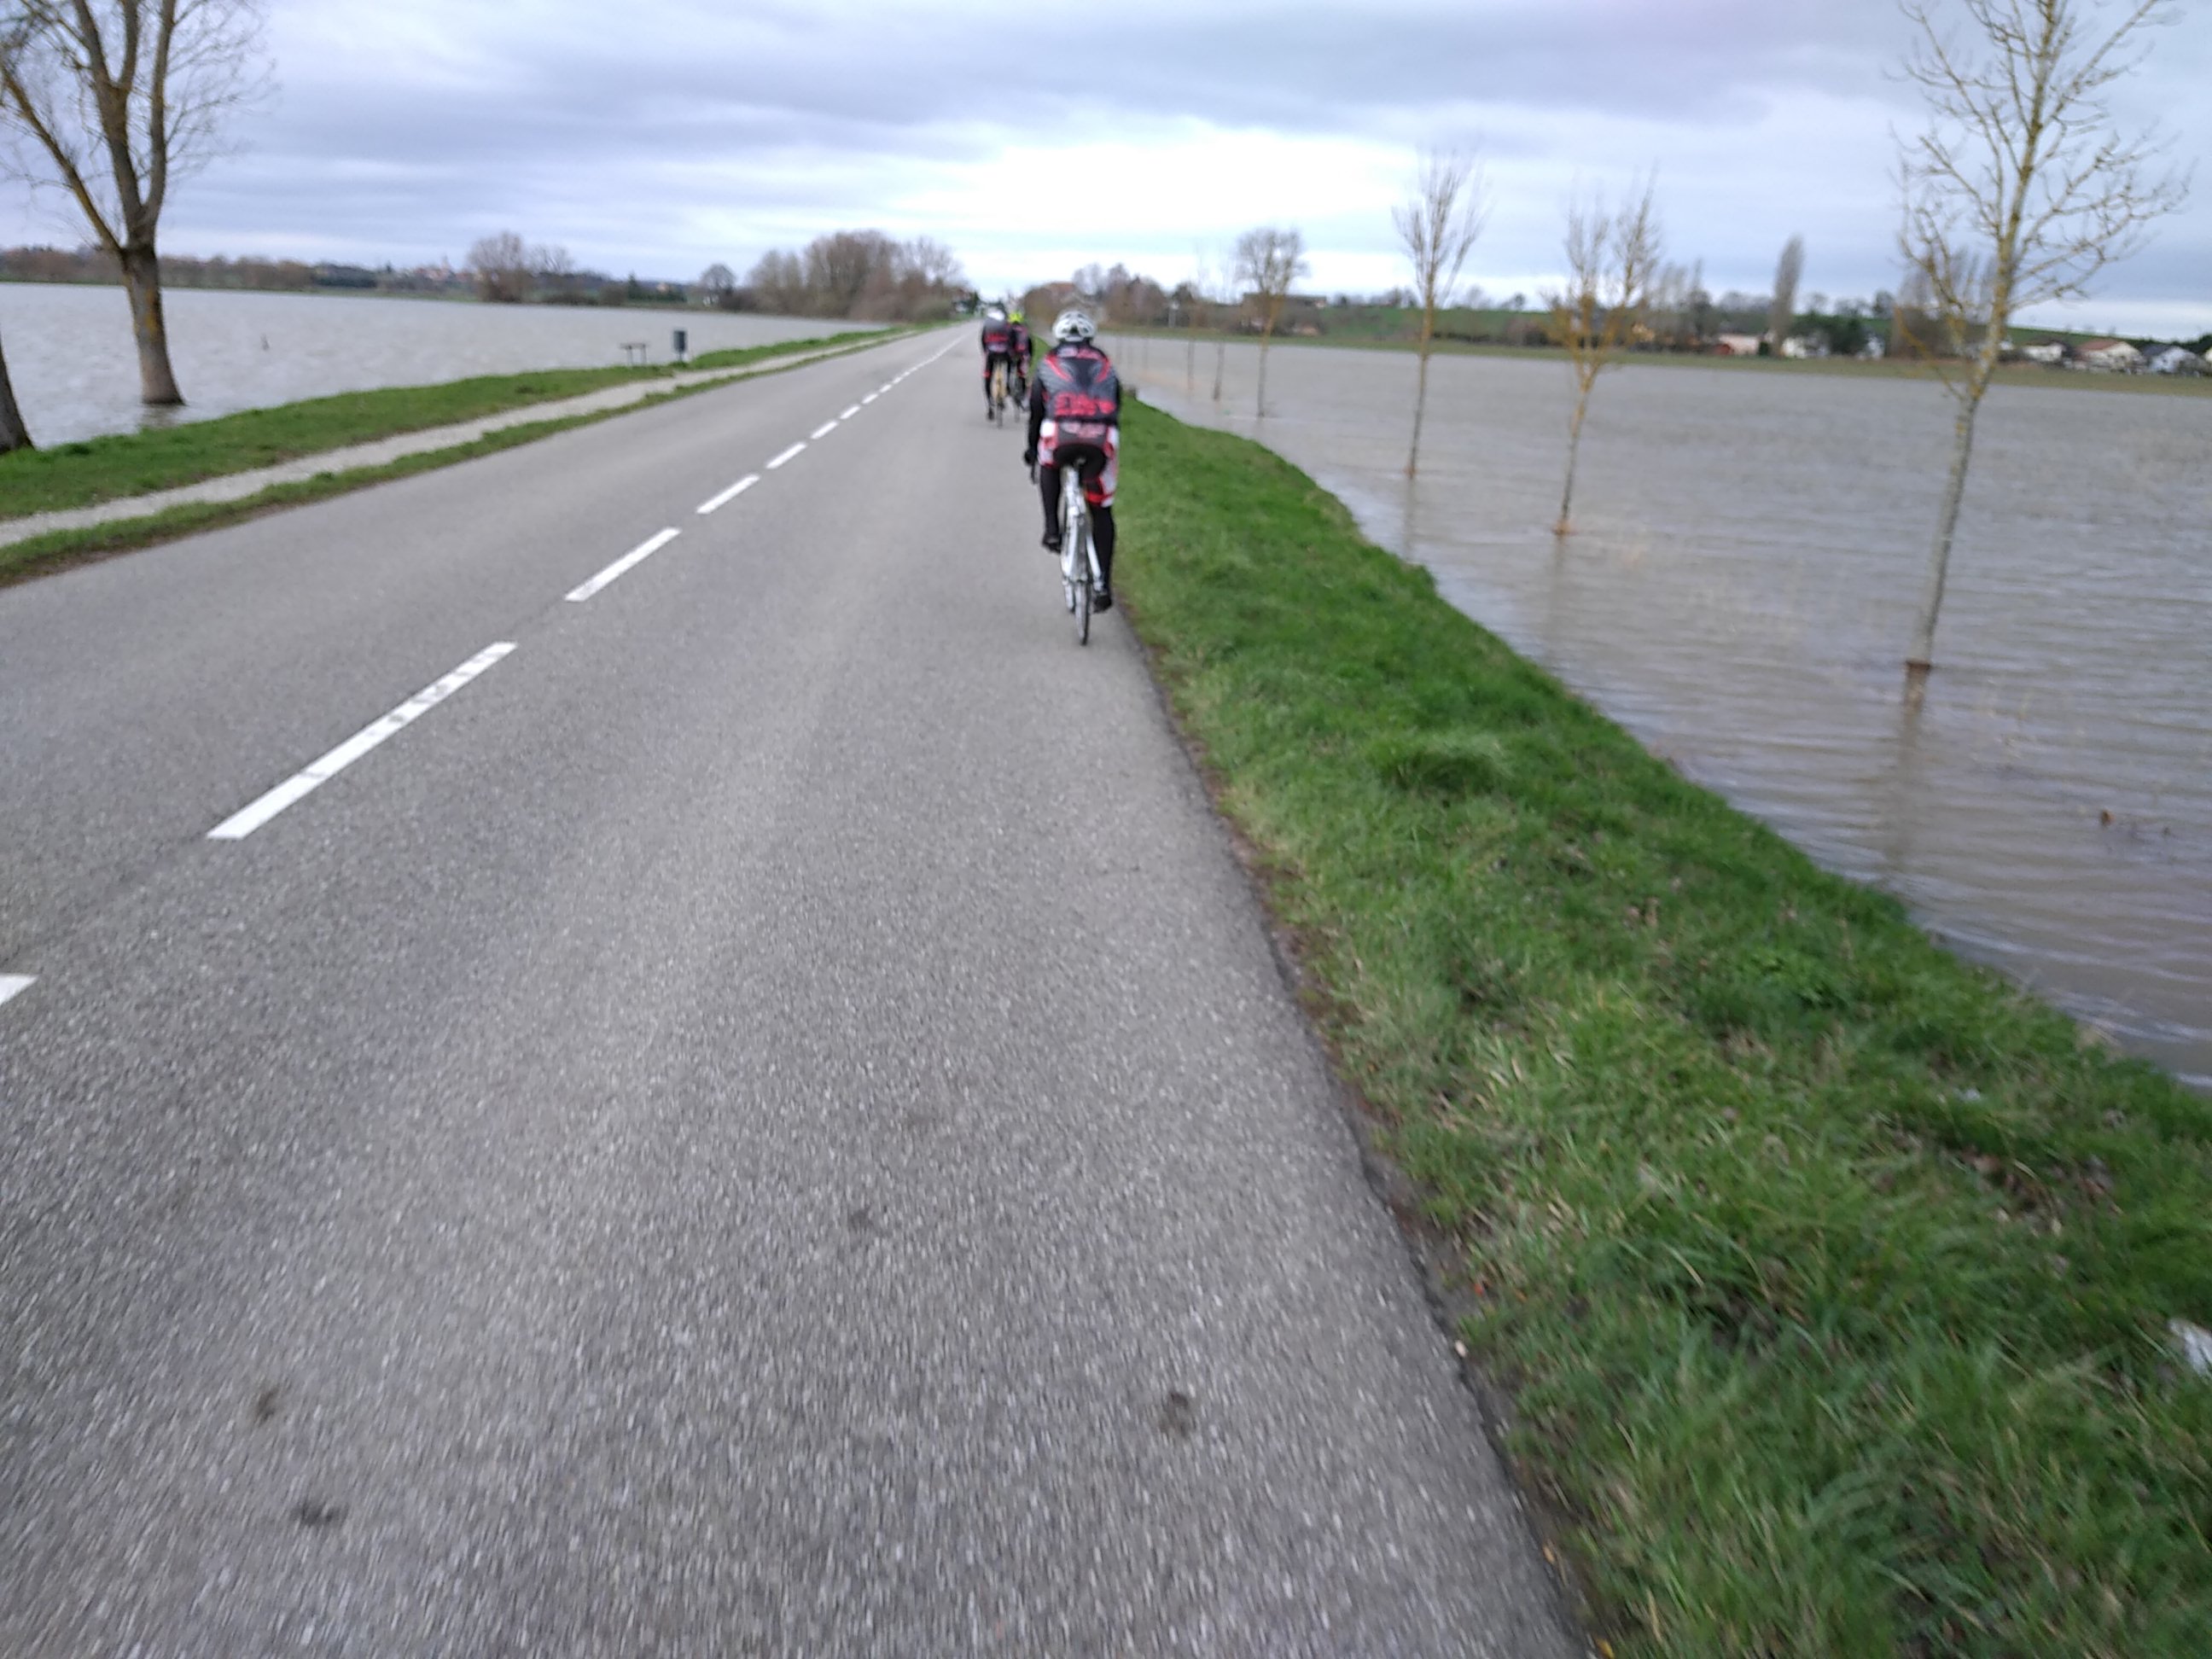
x,y
1829,1275
136,464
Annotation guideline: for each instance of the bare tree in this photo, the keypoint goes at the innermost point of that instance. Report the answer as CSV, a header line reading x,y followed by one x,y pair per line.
x,y
1782,310
717,284
1268,260
501,264
1611,259
2020,191
113,101
14,435
1437,226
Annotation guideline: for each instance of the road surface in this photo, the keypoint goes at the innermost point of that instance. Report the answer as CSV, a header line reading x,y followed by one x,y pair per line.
x,y
570,1089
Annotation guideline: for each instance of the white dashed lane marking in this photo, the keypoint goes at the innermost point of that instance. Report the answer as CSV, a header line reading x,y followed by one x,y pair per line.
x,y
787,455
14,985
637,555
729,494
244,823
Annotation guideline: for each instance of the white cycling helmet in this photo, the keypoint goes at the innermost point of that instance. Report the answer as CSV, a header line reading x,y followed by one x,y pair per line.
x,y
1072,325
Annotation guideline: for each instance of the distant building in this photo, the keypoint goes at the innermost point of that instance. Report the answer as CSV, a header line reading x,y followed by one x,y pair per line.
x,y
2108,356
2175,360
1735,345
1875,347
1805,345
2049,353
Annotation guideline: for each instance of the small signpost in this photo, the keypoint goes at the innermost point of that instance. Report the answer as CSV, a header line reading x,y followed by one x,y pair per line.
x,y
683,345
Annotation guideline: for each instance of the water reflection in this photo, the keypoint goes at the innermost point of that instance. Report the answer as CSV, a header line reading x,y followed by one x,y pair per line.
x,y
1749,546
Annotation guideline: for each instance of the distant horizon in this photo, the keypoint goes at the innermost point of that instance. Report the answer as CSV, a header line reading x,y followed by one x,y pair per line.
x,y
2072,320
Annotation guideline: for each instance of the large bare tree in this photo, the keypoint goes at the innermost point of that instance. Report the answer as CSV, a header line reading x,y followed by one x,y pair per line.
x,y
14,435
1781,309
2020,190
1268,260
113,101
1436,227
504,266
1612,258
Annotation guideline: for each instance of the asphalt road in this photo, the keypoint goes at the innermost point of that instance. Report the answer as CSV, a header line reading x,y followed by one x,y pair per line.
x,y
762,1120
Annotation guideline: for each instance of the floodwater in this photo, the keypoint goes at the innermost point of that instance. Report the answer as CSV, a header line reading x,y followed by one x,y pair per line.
x,y
75,369
1749,551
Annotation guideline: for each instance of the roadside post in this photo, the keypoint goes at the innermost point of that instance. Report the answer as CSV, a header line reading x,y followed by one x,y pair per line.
x,y
683,345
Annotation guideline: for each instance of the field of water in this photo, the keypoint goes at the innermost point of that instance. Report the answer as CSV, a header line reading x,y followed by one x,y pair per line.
x,y
75,369
1749,551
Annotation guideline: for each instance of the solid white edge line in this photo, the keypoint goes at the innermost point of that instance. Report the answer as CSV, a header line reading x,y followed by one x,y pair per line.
x,y
14,985
729,494
849,413
637,555
243,822
787,455
822,431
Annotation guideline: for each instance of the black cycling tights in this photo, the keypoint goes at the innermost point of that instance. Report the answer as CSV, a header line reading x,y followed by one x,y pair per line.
x,y
1102,521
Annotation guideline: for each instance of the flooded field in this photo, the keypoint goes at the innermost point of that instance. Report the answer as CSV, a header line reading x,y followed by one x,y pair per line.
x,y
1750,548
75,370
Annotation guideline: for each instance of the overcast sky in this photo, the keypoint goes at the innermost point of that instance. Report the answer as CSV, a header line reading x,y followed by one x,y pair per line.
x,y
658,135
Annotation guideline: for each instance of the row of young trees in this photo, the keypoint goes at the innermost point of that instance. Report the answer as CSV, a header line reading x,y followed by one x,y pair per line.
x,y
2019,190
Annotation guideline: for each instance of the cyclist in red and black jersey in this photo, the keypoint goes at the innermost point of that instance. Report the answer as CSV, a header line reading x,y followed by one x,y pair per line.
x,y
998,342
1075,419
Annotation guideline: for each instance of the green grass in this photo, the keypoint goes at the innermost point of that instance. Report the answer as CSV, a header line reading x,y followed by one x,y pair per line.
x,y
135,463
1827,1275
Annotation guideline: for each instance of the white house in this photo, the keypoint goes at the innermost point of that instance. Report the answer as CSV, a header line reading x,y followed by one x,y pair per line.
x,y
1805,345
2175,360
1737,345
2049,353
2112,356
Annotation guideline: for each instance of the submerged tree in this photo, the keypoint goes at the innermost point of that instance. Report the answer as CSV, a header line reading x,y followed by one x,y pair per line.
x,y
113,101
1438,227
2021,189
14,435
1268,260
1612,258
1781,309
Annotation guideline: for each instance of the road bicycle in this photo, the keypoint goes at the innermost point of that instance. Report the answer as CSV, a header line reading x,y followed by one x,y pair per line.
x,y
1080,575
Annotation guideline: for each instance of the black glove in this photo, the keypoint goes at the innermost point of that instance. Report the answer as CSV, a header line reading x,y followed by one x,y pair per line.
x,y
1028,459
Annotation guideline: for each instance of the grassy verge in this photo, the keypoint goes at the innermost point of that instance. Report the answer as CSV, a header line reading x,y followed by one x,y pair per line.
x,y
136,464
1827,1275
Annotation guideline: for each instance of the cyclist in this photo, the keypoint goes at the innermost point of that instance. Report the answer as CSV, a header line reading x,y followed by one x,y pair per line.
x,y
997,341
1025,354
1075,419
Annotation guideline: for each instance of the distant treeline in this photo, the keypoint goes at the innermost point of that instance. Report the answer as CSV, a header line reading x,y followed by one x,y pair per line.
x,y
859,274
94,264
1682,316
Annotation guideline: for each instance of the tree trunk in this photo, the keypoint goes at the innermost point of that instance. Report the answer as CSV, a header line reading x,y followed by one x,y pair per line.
x,y
14,435
1421,392
1947,522
1220,361
1574,449
142,281
1190,358
1259,398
